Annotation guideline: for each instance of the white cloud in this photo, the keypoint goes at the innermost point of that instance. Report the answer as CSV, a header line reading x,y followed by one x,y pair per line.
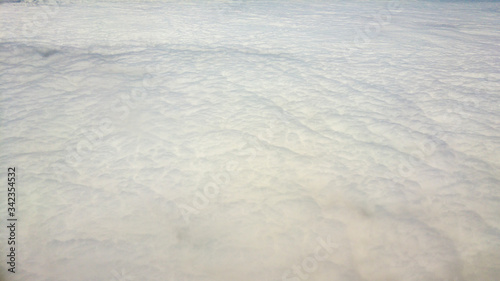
x,y
374,125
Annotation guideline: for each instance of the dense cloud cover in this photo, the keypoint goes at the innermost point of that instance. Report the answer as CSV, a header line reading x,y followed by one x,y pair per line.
x,y
252,140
